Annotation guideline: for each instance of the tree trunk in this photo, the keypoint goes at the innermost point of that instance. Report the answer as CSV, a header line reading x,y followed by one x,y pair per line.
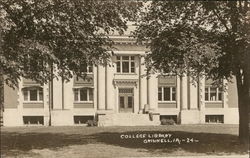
x,y
243,103
1,97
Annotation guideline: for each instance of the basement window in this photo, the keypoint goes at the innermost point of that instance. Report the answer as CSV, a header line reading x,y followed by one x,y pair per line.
x,y
214,118
169,117
33,120
82,119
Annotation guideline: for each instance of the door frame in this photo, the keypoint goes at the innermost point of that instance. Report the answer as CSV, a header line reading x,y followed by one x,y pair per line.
x,y
126,95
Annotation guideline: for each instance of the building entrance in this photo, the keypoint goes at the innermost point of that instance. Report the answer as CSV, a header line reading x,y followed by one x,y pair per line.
x,y
126,100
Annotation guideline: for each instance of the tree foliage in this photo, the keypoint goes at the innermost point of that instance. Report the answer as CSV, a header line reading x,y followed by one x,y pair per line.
x,y
194,36
198,38
63,34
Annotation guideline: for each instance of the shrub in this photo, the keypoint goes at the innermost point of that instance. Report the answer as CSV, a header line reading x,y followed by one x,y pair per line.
x,y
91,123
167,122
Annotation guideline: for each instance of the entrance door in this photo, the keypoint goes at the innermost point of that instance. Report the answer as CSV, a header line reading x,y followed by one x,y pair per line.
x,y
126,100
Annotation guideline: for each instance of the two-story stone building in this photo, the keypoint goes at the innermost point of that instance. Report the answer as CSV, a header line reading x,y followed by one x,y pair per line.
x,y
120,94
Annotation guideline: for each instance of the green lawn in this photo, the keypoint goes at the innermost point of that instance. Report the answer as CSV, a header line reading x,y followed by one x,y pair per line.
x,y
80,141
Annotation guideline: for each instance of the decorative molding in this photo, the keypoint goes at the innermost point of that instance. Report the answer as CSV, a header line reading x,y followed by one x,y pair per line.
x,y
125,82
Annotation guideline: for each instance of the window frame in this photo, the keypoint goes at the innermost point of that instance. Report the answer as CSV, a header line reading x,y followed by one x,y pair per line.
x,y
79,95
130,61
88,68
217,95
162,94
38,90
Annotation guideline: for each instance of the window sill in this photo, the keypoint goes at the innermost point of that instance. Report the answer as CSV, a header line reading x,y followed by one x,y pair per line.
x,y
125,73
166,102
84,102
214,102
33,102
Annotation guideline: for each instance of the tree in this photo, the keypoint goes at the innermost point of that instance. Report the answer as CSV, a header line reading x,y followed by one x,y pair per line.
x,y
201,38
38,36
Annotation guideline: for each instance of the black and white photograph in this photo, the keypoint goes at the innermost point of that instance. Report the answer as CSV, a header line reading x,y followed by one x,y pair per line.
x,y
124,79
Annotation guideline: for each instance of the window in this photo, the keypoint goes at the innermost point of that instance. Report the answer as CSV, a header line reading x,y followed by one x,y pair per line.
x,y
125,64
82,119
213,94
33,120
87,69
214,118
83,95
169,117
33,94
166,94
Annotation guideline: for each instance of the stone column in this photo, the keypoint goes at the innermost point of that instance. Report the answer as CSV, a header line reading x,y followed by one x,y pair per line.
x,y
109,88
101,87
193,94
225,94
95,78
153,92
143,84
178,92
202,93
184,94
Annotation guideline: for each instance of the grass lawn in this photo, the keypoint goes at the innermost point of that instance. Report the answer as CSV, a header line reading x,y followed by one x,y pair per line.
x,y
81,141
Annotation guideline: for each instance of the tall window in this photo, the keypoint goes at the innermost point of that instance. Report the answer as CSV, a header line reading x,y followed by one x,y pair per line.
x,y
83,95
125,64
166,94
213,94
33,94
88,69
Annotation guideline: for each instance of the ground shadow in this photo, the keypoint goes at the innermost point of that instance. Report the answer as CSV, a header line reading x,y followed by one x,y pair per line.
x,y
208,143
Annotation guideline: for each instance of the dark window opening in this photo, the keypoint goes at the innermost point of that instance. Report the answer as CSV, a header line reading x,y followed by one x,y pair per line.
x,y
214,118
32,120
82,119
169,117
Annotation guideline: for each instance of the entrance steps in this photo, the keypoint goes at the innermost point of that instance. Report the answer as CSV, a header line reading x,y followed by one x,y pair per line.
x,y
128,119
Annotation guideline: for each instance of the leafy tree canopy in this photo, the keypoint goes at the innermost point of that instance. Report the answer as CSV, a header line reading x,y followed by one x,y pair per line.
x,y
210,38
67,33
198,37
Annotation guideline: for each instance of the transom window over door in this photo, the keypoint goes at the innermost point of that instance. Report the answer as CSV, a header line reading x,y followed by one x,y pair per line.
x,y
125,64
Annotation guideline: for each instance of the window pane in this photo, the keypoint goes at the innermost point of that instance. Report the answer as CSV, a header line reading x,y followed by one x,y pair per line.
x,y
76,95
41,95
90,94
173,94
132,58
125,58
83,95
118,66
130,101
118,58
213,94
125,67
122,105
220,92
84,68
159,94
132,67
90,69
25,95
166,94
33,95
206,94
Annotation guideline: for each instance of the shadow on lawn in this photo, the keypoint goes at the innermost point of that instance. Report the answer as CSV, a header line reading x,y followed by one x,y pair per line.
x,y
208,143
